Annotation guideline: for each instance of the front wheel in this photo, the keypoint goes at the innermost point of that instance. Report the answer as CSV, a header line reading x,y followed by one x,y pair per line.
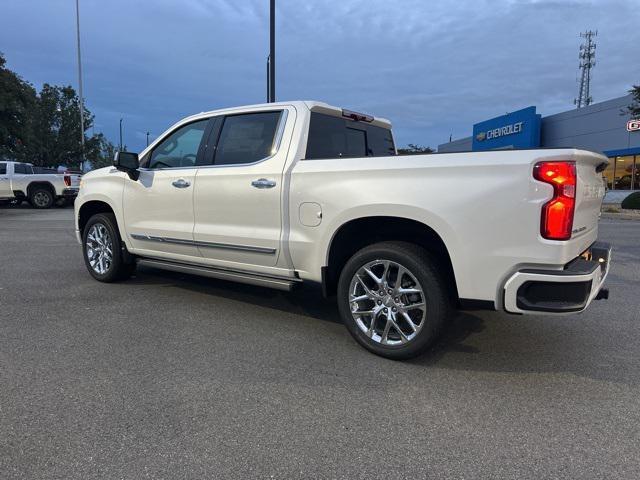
x,y
103,249
393,300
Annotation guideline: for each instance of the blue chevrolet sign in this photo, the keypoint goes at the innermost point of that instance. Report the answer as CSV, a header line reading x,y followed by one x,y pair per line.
x,y
519,129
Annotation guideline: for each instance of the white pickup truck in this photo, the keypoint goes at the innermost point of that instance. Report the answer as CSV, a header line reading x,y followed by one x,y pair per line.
x,y
18,182
284,193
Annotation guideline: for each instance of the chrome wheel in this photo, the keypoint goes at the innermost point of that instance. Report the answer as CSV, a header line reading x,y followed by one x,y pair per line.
x,y
387,302
99,248
41,199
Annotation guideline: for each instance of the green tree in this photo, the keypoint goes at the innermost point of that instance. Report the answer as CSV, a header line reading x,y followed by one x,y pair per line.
x,y
413,149
57,128
102,151
634,108
44,128
17,103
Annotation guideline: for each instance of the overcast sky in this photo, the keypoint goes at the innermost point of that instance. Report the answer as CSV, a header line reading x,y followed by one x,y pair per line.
x,y
432,67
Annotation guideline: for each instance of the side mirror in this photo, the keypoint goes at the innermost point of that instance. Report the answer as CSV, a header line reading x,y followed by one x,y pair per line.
x,y
127,162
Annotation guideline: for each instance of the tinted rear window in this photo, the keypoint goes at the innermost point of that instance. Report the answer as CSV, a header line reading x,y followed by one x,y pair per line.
x,y
335,137
3,168
21,168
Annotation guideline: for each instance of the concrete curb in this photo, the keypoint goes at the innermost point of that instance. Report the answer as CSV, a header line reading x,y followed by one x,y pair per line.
x,y
623,215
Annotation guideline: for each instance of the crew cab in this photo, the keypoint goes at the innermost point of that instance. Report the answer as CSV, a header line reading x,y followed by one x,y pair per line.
x,y
284,193
19,182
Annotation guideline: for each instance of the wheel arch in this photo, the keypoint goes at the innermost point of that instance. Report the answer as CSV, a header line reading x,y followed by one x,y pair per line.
x,y
358,233
89,209
41,184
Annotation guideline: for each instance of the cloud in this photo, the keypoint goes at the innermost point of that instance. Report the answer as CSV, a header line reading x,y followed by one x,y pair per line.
x,y
433,67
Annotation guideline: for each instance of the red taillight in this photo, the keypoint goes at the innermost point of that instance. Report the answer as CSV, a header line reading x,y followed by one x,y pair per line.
x,y
67,180
557,214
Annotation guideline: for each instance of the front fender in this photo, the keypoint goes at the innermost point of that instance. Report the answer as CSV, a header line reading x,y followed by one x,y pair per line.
x,y
106,186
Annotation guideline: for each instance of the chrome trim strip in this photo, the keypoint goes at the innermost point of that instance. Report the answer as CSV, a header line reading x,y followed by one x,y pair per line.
x,y
277,139
279,132
193,243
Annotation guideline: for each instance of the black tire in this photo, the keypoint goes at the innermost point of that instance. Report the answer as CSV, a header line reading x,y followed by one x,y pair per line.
x,y
64,202
41,198
121,265
436,298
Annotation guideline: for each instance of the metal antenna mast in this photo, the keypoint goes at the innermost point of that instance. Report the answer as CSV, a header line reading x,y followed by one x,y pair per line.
x,y
587,58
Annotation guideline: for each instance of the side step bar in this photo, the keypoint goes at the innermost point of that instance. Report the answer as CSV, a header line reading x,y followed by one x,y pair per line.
x,y
279,283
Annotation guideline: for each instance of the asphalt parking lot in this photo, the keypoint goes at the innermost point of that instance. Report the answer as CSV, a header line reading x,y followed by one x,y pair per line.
x,y
172,376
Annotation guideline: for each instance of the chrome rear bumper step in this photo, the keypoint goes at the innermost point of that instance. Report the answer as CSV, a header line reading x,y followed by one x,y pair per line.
x,y
279,283
571,289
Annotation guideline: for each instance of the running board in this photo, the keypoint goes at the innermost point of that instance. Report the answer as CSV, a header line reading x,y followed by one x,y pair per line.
x,y
278,283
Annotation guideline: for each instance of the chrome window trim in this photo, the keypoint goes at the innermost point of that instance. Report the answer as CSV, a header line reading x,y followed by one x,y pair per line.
x,y
275,147
196,243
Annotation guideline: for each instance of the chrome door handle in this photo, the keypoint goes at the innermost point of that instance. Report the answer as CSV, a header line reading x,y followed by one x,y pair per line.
x,y
263,183
181,183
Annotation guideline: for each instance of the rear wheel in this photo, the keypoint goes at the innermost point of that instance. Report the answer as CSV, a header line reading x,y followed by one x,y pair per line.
x,y
104,251
393,300
41,197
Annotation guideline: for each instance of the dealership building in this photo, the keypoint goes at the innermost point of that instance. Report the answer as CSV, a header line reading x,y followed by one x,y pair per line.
x,y
600,127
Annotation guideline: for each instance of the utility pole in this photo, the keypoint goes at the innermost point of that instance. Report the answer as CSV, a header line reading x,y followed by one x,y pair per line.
x,y
80,86
120,135
147,139
587,58
272,52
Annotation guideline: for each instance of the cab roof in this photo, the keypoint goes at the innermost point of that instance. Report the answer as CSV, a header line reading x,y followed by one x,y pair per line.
x,y
314,106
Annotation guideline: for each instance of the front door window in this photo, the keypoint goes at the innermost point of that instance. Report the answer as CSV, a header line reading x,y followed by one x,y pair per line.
x,y
180,148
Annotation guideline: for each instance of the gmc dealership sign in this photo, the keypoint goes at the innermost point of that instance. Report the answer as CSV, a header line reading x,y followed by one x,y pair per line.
x,y
633,125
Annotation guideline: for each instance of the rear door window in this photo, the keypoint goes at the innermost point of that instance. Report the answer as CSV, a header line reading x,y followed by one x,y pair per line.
x,y
336,137
3,168
246,138
22,169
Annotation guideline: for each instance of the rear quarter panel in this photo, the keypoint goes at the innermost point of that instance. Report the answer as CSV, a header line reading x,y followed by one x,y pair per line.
x,y
484,205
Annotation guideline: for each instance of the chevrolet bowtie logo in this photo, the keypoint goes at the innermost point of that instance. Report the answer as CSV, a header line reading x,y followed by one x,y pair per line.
x,y
481,136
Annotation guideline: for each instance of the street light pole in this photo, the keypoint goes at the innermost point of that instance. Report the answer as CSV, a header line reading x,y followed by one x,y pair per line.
x,y
80,86
120,134
272,52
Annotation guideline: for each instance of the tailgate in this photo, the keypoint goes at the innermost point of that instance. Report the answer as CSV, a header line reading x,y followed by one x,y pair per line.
x,y
590,191
75,181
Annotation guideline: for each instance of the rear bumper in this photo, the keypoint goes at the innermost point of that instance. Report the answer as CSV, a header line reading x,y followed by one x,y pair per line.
x,y
569,290
70,192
